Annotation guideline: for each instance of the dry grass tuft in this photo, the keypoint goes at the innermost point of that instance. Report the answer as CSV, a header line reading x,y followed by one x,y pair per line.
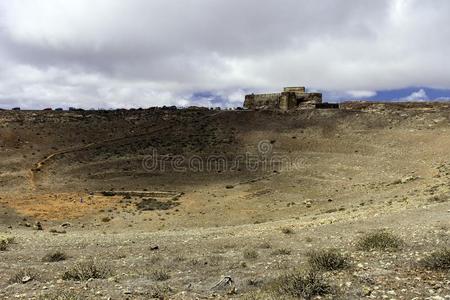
x,y
24,276
160,292
379,240
250,254
281,251
265,245
439,260
160,275
62,295
5,242
54,256
328,260
260,295
301,285
85,270
287,230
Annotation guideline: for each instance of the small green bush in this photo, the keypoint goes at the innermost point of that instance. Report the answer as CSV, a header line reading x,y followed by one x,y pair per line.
x,y
379,240
329,260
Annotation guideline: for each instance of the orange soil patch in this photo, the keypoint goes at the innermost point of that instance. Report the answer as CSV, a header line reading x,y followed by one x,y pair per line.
x,y
61,206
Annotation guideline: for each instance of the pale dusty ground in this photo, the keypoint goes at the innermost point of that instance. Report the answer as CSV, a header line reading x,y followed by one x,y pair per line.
x,y
356,171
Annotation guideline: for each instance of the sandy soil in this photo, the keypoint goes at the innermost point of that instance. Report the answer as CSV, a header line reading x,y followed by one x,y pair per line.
x,y
323,179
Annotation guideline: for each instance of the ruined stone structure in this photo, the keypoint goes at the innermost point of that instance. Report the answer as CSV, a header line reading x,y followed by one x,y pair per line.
x,y
290,99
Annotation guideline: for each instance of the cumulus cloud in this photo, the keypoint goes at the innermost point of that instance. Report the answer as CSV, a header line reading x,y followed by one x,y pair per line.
x,y
361,94
112,53
420,95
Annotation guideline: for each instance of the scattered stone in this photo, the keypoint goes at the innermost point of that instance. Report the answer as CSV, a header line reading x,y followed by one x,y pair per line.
x,y
57,231
408,179
392,293
26,279
224,283
366,291
38,226
154,248
233,291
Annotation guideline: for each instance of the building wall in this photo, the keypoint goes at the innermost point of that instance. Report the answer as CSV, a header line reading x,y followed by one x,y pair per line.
x,y
296,89
310,97
291,98
262,100
288,101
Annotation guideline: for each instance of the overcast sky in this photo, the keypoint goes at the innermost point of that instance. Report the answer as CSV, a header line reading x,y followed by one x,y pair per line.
x,y
124,53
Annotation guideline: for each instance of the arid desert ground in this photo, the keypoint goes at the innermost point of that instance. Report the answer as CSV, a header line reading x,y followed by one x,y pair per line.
x,y
349,203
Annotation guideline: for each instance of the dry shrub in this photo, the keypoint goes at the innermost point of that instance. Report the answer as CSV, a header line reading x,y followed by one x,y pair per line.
x,y
297,284
282,251
438,260
62,295
24,276
287,230
54,256
160,275
85,270
5,242
328,260
379,240
250,254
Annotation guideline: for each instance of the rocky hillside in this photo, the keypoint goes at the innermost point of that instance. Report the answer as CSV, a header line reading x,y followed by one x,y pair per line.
x,y
191,203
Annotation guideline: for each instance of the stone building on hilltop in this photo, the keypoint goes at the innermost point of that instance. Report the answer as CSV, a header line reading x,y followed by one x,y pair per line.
x,y
290,99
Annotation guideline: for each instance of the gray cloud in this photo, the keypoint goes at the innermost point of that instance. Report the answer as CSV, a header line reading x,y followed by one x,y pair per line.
x,y
113,53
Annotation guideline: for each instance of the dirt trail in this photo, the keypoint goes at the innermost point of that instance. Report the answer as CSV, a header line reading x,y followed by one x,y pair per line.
x,y
38,166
